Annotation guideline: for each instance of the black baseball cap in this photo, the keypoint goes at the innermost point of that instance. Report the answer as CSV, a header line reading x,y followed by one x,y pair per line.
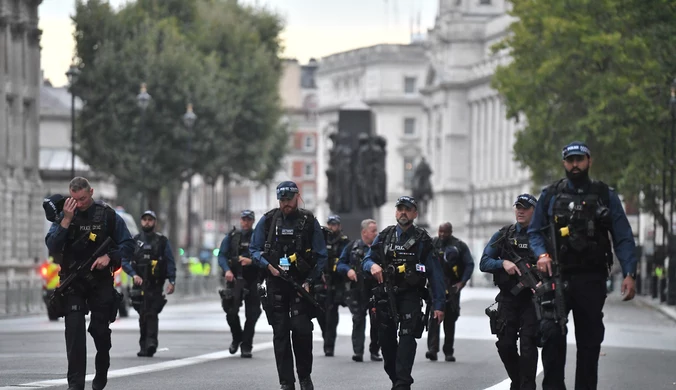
x,y
248,214
407,201
149,212
526,200
286,190
53,205
333,219
575,148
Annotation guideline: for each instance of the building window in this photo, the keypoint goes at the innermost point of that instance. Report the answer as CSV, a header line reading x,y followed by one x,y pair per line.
x,y
408,172
410,85
485,2
409,126
309,143
308,193
309,170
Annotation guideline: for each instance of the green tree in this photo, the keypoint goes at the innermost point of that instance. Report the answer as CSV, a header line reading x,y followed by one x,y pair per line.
x,y
592,70
218,55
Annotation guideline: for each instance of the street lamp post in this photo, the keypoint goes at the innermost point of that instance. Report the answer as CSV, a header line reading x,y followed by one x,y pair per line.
x,y
671,277
72,74
189,119
143,100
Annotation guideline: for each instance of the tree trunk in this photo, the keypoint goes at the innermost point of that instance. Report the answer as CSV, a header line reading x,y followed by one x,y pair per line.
x,y
153,200
172,217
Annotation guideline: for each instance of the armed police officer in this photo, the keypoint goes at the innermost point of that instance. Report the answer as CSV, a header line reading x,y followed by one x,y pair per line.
x,y
331,293
288,243
242,279
457,265
359,294
508,257
75,236
577,213
401,259
151,266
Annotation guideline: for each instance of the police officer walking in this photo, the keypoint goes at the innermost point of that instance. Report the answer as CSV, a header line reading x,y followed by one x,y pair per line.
x,y
401,259
77,233
583,212
152,265
290,239
333,294
457,265
516,312
242,279
350,265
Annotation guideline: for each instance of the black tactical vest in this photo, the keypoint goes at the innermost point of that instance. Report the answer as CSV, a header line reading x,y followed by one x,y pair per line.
x,y
335,242
401,258
290,235
451,258
511,242
239,246
149,260
357,253
87,231
583,244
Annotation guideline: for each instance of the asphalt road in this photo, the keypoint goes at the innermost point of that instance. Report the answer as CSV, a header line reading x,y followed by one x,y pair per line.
x,y
639,352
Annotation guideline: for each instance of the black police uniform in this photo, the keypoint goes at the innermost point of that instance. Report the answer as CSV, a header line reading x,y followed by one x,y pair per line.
x,y
583,213
150,262
457,265
358,300
278,236
244,289
87,231
331,293
408,259
516,310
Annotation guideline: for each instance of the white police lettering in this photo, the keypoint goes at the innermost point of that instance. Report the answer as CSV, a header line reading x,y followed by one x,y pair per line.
x,y
85,228
523,246
578,207
287,232
244,244
399,248
96,227
329,246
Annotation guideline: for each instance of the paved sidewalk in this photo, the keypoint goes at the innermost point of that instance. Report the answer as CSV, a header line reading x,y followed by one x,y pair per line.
x,y
669,311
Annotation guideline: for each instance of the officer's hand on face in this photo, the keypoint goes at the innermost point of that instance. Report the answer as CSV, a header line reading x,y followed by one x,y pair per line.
x,y
510,267
138,280
352,275
170,289
101,262
628,288
377,272
273,270
439,315
545,265
244,261
229,276
69,208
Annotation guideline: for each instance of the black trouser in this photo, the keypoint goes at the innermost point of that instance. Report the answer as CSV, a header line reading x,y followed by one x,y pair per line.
x,y
399,356
518,321
585,296
329,322
98,301
451,314
252,310
148,321
290,314
359,307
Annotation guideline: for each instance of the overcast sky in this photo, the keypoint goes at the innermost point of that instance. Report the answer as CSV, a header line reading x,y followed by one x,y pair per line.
x,y
314,28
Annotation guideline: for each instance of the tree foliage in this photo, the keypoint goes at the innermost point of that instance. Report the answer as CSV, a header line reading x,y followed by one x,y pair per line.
x,y
218,55
597,71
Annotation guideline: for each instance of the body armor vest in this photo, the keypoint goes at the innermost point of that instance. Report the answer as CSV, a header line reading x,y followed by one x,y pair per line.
x,y
582,221
451,259
510,242
400,258
289,236
87,231
335,242
149,261
239,246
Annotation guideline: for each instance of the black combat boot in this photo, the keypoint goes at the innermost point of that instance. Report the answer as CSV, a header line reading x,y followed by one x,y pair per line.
x,y
431,355
100,380
246,353
287,387
358,358
234,346
375,357
306,384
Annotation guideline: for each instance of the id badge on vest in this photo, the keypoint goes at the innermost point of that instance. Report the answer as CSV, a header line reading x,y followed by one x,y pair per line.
x,y
284,263
420,267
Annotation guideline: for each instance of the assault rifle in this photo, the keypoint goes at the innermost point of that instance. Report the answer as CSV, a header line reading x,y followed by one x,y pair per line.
x,y
56,305
299,289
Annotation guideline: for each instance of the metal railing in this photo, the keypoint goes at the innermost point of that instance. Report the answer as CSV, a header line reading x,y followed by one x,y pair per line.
x,y
21,295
